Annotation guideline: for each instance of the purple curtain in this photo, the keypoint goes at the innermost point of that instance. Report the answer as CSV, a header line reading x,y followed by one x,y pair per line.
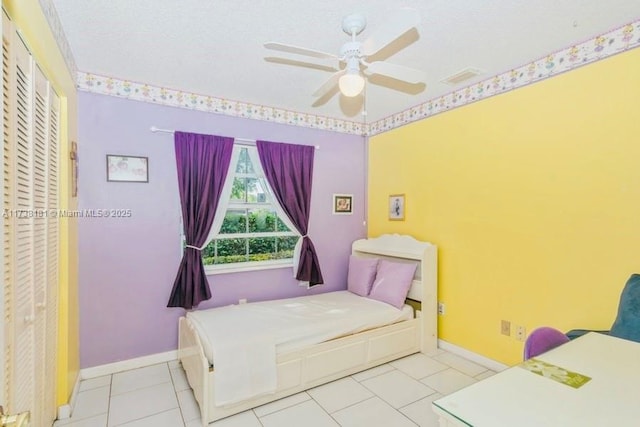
x,y
203,161
289,171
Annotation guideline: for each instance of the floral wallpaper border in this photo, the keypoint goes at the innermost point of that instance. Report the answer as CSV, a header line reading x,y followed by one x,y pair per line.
x,y
605,45
602,46
51,16
176,98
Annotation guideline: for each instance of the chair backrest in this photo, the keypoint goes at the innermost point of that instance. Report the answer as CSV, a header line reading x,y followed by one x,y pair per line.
x,y
627,323
543,339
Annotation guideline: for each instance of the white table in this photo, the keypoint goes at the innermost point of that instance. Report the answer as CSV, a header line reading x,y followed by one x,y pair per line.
x,y
517,397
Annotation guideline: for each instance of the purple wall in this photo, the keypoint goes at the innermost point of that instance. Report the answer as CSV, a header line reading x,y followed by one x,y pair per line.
x,y
127,265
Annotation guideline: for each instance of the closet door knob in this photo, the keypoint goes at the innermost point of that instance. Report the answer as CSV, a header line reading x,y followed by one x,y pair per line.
x,y
29,319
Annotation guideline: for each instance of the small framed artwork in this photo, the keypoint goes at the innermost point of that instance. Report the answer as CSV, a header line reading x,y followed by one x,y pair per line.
x,y
396,207
127,168
342,204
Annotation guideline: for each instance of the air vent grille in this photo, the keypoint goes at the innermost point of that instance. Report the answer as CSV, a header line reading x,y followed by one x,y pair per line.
x,y
461,76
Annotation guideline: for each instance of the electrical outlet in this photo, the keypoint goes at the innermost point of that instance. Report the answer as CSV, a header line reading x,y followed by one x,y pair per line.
x,y
505,328
521,333
441,308
242,301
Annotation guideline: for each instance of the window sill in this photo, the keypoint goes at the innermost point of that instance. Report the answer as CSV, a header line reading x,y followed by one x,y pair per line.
x,y
211,270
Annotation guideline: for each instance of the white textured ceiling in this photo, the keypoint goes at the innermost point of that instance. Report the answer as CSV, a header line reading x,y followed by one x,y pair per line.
x,y
215,47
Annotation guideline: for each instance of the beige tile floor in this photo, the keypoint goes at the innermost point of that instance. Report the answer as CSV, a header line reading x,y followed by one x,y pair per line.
x,y
396,394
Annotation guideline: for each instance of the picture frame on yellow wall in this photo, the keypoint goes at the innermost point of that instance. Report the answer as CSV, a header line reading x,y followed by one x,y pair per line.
x,y
396,207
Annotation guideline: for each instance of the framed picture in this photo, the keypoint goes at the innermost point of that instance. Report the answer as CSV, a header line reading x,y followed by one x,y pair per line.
x,y
342,204
396,207
127,168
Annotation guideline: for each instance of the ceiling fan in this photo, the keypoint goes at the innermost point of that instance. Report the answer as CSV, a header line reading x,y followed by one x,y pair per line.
x,y
353,54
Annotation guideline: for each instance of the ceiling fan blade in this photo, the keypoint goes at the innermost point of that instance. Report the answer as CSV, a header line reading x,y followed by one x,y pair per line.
x,y
399,24
297,50
329,84
399,72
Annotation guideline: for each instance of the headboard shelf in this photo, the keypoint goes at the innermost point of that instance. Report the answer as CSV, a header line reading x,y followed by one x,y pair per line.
x,y
393,245
392,254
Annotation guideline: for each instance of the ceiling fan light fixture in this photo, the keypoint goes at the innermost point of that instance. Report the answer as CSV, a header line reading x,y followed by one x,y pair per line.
x,y
351,84
350,78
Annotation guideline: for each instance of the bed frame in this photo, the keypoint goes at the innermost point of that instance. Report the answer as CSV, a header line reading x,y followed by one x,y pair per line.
x,y
312,366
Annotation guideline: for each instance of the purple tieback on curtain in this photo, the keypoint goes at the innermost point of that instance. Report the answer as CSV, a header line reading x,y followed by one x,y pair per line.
x,y
203,162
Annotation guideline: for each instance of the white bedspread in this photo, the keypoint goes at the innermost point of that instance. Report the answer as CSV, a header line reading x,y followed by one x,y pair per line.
x,y
242,341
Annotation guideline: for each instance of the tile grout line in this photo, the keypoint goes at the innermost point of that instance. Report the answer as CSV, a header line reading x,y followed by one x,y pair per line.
x,y
418,400
289,407
148,416
409,376
324,410
456,369
353,404
143,388
175,392
109,399
257,417
393,368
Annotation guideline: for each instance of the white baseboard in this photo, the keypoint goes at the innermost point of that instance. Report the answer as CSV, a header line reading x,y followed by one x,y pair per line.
x,y
126,365
65,411
474,357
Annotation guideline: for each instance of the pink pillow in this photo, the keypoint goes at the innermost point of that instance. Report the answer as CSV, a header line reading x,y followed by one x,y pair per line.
x,y
393,281
362,272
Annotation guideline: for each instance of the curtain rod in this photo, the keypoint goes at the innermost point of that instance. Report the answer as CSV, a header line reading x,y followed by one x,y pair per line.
x,y
240,141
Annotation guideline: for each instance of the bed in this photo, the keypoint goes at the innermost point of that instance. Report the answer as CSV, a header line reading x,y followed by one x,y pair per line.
x,y
299,358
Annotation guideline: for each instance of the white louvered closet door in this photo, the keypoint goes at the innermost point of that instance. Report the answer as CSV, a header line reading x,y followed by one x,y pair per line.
x,y
7,226
23,238
52,260
40,153
30,234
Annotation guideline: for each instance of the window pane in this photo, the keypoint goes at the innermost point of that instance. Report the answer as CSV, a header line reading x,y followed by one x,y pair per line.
x,y
269,248
209,251
247,190
260,191
252,190
235,221
280,225
231,250
261,221
262,249
239,190
244,162
286,244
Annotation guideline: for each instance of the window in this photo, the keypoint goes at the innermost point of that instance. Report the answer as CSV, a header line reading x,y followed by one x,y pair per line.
x,y
252,234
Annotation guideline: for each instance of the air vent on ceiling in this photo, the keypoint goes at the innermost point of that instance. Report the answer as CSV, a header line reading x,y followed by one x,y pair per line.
x,y
461,76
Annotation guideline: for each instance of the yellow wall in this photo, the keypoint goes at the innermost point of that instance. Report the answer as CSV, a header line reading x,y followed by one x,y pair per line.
x,y
28,17
533,198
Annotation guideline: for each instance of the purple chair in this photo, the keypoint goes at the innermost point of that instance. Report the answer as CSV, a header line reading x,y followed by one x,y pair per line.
x,y
543,339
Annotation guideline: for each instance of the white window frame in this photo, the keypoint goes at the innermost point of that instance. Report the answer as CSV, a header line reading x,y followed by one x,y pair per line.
x,y
270,202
